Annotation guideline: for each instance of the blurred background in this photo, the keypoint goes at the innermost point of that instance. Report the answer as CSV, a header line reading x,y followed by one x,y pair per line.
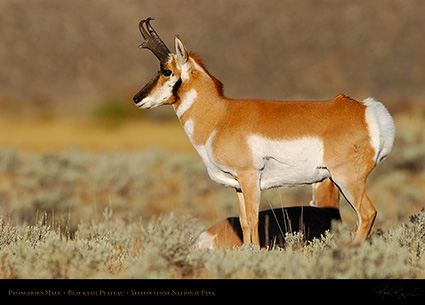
x,y
69,57
69,70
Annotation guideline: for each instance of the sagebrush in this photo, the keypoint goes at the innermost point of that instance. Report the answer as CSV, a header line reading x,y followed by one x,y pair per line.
x,y
163,248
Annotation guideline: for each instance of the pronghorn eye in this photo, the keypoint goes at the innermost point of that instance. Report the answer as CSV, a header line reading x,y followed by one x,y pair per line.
x,y
166,72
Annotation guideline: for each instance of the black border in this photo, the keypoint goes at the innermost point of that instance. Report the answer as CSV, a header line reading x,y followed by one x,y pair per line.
x,y
376,291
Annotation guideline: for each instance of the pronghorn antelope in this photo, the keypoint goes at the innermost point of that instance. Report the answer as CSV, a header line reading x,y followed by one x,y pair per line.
x,y
254,144
273,224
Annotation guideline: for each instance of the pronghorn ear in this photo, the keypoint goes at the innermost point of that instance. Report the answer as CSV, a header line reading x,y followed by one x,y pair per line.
x,y
180,49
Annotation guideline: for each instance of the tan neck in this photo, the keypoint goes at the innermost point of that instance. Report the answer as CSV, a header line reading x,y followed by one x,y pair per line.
x,y
199,107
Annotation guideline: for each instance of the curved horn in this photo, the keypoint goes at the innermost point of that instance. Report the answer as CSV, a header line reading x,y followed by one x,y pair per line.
x,y
153,42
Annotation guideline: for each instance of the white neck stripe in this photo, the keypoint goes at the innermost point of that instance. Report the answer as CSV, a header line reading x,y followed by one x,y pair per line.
x,y
187,101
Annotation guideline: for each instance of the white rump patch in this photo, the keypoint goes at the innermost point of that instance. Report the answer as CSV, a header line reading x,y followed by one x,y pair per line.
x,y
205,241
285,163
381,128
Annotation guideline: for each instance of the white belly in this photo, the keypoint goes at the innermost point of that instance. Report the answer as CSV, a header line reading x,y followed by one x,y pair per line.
x,y
281,163
286,163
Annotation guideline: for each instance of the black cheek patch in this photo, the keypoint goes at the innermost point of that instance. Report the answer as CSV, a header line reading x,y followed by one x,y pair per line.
x,y
176,87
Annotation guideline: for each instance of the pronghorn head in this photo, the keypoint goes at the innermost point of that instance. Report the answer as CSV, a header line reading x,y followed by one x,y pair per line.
x,y
162,89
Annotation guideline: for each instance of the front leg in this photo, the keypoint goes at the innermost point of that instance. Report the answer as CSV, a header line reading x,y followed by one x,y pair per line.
x,y
249,204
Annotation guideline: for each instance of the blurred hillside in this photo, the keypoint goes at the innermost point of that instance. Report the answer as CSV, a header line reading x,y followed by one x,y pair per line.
x,y
72,57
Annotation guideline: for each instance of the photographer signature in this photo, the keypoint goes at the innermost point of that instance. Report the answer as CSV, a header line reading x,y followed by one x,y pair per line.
x,y
397,292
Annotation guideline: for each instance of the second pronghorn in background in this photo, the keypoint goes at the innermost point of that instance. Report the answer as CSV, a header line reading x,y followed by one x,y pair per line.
x,y
255,144
312,221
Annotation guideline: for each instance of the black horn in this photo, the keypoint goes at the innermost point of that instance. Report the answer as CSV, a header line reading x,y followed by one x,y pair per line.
x,y
153,42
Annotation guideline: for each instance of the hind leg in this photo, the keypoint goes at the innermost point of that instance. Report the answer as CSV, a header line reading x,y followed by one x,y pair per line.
x,y
354,191
366,214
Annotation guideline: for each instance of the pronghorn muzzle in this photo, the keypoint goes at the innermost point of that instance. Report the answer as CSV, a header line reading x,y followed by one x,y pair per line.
x,y
145,90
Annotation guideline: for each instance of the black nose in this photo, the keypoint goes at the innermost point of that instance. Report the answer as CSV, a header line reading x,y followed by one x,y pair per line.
x,y
136,99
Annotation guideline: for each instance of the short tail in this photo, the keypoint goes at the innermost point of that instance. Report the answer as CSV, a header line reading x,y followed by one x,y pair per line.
x,y
381,128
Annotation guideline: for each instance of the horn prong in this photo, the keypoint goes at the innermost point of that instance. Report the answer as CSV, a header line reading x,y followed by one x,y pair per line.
x,y
152,41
